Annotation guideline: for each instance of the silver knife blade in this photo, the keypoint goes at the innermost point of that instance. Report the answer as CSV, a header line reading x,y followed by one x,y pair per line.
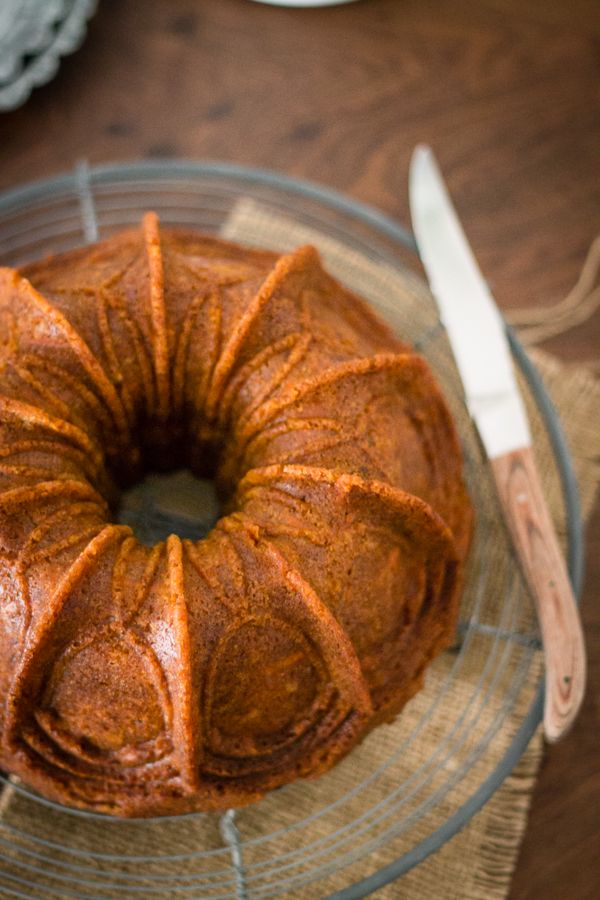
x,y
475,327
480,347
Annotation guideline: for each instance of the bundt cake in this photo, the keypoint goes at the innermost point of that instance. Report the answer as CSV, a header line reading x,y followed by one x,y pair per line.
x,y
187,676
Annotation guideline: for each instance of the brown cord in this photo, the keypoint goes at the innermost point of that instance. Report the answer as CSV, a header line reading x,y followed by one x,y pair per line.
x,y
537,324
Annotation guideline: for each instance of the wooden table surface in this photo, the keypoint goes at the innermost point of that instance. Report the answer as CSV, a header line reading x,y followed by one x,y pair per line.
x,y
506,91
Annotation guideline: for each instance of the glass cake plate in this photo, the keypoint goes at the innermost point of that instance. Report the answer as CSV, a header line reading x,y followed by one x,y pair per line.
x,y
411,785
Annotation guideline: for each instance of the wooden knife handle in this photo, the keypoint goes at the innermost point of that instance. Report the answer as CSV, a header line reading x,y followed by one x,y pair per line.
x,y
535,541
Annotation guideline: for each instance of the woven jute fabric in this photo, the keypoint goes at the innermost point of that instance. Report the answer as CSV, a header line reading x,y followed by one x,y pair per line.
x,y
359,800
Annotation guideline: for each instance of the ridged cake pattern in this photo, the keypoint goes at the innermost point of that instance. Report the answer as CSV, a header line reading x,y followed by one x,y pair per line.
x,y
194,676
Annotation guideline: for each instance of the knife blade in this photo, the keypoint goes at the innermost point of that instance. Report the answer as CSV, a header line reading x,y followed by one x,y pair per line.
x,y
479,343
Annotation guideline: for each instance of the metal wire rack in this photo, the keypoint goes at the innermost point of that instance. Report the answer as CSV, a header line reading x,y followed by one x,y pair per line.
x,y
426,775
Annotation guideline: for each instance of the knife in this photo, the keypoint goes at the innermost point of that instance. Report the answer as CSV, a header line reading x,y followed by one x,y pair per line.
x,y
478,338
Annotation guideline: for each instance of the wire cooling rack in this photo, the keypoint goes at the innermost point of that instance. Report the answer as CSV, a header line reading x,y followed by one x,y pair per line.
x,y
482,700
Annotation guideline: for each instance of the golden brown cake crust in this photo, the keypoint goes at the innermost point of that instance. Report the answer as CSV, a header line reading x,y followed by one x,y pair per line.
x,y
196,676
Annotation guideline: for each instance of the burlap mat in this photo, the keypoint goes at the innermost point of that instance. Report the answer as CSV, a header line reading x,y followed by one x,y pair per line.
x,y
474,865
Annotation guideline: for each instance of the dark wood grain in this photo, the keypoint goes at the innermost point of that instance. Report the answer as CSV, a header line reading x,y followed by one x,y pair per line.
x,y
506,91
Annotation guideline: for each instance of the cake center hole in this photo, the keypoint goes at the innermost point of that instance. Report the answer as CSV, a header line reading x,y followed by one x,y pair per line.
x,y
169,503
